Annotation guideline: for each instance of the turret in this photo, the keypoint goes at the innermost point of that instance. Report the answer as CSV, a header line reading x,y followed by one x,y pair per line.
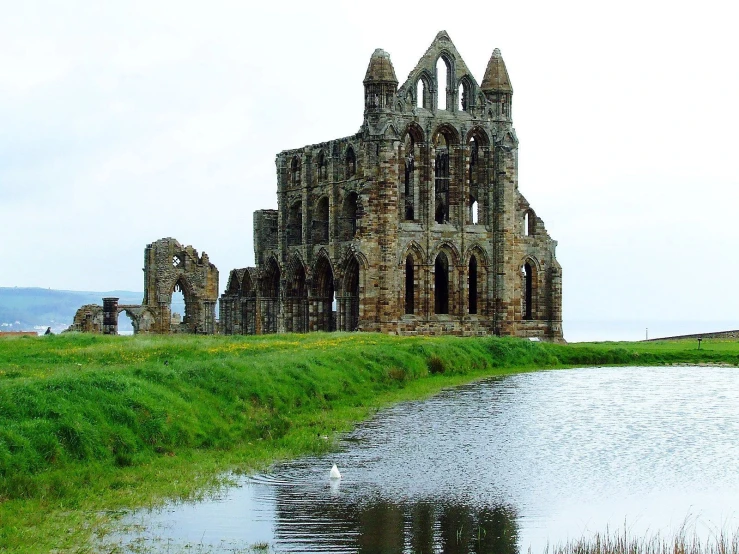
x,y
380,83
496,85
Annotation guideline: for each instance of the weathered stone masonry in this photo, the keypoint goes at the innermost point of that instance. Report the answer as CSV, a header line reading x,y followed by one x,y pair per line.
x,y
168,267
413,225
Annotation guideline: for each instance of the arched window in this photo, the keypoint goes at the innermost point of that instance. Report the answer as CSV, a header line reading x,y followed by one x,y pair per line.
x,y
409,285
421,94
441,181
443,80
528,291
295,171
322,168
349,216
349,304
472,213
270,300
320,222
295,224
529,223
465,95
296,305
441,284
351,163
409,179
323,296
473,285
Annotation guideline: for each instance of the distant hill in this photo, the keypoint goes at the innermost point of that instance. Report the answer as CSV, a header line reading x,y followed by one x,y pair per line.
x,y
35,309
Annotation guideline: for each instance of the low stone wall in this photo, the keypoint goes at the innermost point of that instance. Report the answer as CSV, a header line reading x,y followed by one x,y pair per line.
x,y
18,334
716,335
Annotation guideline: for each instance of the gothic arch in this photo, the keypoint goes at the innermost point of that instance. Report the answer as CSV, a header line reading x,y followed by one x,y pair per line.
x,y
450,248
479,134
321,166
416,132
466,93
530,288
321,220
296,296
233,287
450,133
426,80
270,296
350,162
476,249
412,267
348,298
322,297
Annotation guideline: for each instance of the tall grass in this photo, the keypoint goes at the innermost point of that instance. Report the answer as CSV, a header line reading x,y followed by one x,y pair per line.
x,y
622,543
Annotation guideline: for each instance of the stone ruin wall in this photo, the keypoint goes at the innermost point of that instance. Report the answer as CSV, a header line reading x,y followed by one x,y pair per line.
x,y
414,225
168,267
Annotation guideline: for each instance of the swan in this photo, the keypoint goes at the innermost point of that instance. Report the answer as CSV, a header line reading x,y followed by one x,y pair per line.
x,y
335,473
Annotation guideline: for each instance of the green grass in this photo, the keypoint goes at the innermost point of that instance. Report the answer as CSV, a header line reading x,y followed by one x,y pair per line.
x,y
90,425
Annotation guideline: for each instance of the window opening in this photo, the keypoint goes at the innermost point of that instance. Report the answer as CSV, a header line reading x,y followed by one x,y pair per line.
x,y
441,284
528,291
351,163
408,192
442,83
472,216
349,216
320,223
295,225
177,307
409,285
441,182
295,169
473,285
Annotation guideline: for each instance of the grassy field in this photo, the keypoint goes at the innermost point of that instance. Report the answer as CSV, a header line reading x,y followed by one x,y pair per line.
x,y
91,425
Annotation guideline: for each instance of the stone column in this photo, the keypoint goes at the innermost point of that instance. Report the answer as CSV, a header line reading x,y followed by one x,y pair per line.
x,y
110,316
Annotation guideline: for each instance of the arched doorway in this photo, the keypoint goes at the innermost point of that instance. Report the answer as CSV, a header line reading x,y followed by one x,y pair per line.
x,y
323,296
296,306
349,303
270,301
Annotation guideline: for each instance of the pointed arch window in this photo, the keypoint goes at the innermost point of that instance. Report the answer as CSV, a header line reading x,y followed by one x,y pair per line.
x,y
295,224
409,285
473,286
409,186
443,83
351,163
322,167
320,222
295,171
349,217
441,181
441,284
528,291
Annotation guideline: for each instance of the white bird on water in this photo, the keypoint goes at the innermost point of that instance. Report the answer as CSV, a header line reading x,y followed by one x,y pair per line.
x,y
335,473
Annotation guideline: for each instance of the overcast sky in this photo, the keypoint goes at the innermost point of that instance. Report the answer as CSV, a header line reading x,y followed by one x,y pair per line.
x,y
125,122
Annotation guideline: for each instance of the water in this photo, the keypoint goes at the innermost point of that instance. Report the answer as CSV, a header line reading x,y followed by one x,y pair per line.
x,y
498,466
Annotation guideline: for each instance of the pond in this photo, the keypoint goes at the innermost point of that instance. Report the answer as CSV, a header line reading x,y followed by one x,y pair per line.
x,y
499,466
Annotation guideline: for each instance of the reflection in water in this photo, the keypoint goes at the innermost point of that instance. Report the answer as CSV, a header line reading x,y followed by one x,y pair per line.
x,y
525,461
385,527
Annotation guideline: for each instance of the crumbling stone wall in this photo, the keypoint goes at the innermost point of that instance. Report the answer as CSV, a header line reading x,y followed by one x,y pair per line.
x,y
413,225
168,267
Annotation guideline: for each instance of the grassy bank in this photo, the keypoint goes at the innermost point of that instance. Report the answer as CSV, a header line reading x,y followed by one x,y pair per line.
x,y
90,425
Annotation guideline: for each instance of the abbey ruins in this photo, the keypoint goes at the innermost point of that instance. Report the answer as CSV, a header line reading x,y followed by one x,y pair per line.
x,y
414,225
